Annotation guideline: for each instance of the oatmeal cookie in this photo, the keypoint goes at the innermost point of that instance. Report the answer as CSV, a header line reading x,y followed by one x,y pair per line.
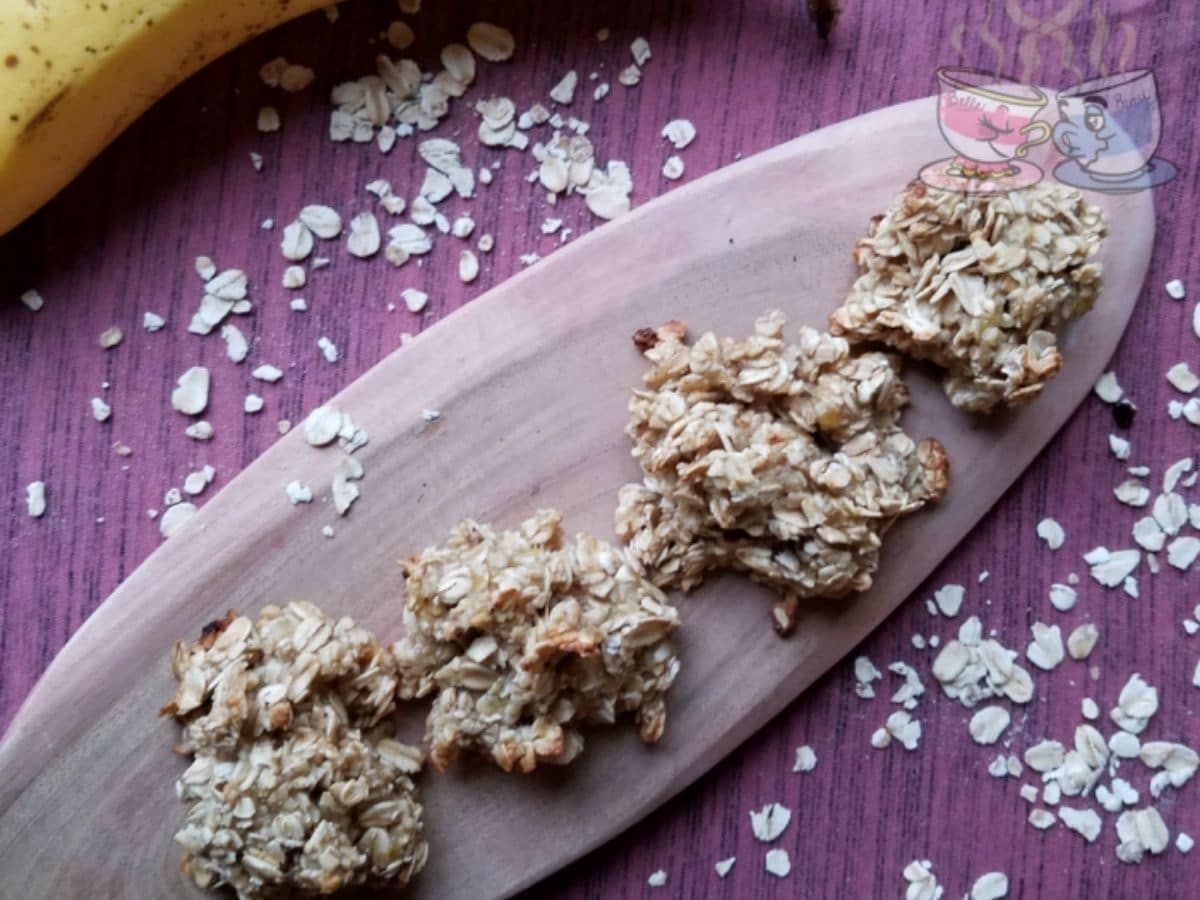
x,y
784,461
980,285
292,788
522,640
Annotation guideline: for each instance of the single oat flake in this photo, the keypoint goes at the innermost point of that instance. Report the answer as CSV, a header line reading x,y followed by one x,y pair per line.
x,y
190,396
493,43
778,863
35,499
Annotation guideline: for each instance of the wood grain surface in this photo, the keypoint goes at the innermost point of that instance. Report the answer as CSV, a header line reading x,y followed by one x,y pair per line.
x,y
749,74
532,395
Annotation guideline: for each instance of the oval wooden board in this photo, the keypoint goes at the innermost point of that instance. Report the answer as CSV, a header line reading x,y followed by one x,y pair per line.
x,y
531,381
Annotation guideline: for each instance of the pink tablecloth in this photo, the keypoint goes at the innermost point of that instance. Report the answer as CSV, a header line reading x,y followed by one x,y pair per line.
x,y
749,73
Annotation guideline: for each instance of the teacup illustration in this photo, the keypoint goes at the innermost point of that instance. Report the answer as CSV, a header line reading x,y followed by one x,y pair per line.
x,y
990,123
1109,129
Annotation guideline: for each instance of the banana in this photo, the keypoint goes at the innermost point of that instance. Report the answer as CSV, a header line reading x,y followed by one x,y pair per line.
x,y
75,73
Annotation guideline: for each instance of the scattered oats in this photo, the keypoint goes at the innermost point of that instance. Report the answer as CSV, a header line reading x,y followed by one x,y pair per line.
x,y
1063,597
1182,378
295,78
769,822
1041,818
1111,568
253,403
1184,842
493,43
1182,552
640,48
806,759
1045,756
415,300
268,119
408,240
998,767
934,641
778,863
1107,388
297,242
630,76
1191,626
657,879
988,724
564,91
1175,289
205,268
1141,830
724,866
1051,532
364,239
600,91
1191,409
1082,821
486,243
1119,446
462,227
327,530
323,425
1148,535
1124,745
468,266
1174,409
673,168
422,211
1029,793
35,499
400,35
1132,493
949,599
323,221
153,321
271,71
1081,641
1046,649
429,416
32,300
680,132
122,449
1196,320
101,411
880,738
298,304
199,431
267,373
992,886
173,518
283,426
1136,704
1175,472
266,224
1171,513
904,728
922,885
110,337
298,493
328,349
911,691
294,277
196,482
918,641
345,491
528,259
236,346
1052,793
191,392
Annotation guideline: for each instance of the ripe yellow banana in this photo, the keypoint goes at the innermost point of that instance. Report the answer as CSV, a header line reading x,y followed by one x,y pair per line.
x,y
74,73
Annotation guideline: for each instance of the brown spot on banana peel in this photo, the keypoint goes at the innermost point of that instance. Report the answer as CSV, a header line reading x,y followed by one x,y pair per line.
x,y
42,117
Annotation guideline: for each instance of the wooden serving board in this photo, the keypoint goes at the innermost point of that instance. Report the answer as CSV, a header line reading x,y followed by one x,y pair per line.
x,y
531,381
